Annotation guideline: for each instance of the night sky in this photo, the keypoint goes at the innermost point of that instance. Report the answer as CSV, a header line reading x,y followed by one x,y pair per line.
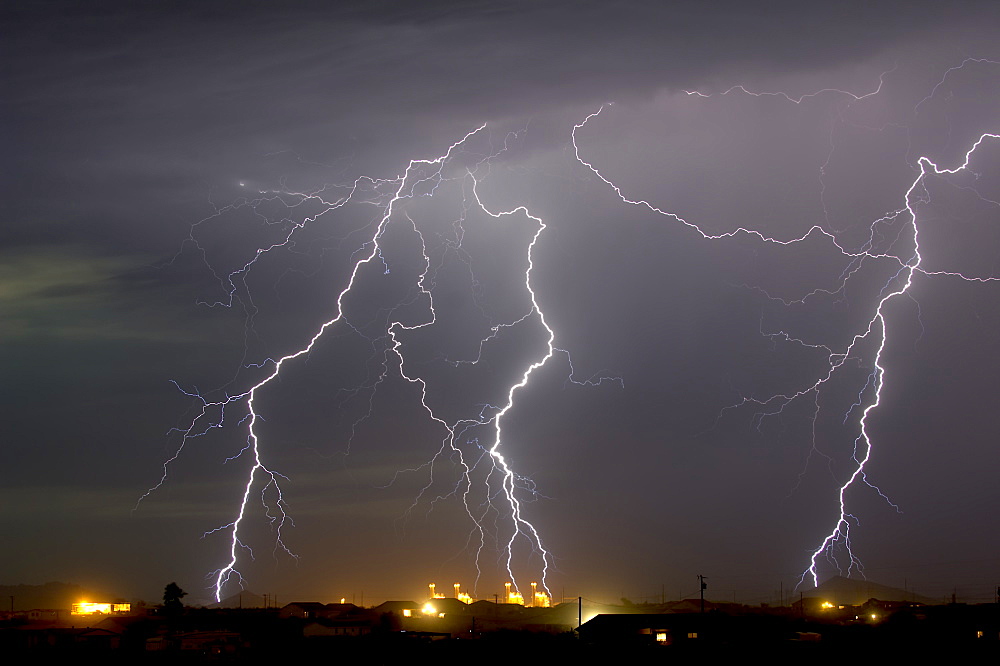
x,y
151,153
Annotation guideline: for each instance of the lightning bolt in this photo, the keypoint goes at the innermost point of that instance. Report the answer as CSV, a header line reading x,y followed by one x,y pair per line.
x,y
493,494
875,332
504,491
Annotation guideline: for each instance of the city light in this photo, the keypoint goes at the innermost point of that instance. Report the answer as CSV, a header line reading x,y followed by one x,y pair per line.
x,y
99,608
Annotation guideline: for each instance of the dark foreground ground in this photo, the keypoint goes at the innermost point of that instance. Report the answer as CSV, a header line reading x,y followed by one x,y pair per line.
x,y
958,633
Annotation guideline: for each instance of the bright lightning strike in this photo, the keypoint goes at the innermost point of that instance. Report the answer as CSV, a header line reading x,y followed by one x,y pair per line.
x,y
496,509
493,495
836,545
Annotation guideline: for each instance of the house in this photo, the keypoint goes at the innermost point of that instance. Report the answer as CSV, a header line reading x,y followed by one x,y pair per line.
x,y
339,628
634,629
305,610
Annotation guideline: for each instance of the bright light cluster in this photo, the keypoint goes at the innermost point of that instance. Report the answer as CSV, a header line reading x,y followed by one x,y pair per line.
x,y
99,608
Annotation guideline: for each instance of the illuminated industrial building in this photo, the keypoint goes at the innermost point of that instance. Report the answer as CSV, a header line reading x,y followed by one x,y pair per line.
x,y
538,599
99,608
464,597
511,596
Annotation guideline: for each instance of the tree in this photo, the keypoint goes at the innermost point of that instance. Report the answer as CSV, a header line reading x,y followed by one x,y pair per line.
x,y
172,594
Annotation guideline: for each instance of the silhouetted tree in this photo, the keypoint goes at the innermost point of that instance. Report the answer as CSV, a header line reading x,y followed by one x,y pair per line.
x,y
172,594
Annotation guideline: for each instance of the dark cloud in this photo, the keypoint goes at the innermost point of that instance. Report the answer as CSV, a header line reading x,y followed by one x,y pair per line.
x,y
129,129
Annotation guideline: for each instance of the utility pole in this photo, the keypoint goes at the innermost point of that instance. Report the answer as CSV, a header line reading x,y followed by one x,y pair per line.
x,y
579,612
702,585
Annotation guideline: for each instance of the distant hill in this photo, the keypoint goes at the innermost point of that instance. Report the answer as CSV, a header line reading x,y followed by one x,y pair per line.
x,y
50,595
244,599
854,592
